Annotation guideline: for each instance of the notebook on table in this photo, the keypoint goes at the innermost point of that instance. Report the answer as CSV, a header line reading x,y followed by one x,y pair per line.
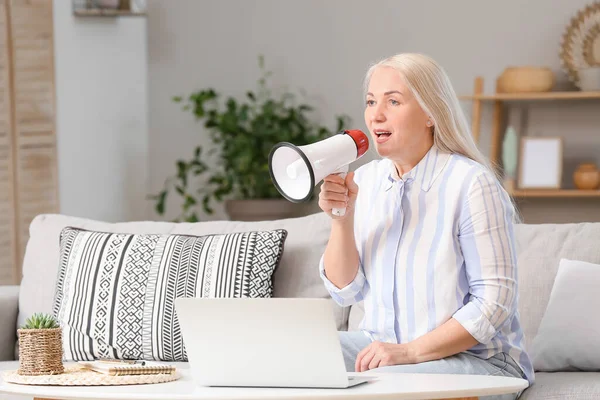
x,y
117,368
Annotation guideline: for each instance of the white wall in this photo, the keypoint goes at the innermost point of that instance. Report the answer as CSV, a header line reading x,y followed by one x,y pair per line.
x,y
325,47
102,127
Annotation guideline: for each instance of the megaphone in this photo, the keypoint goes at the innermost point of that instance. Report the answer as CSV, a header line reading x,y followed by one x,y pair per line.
x,y
295,170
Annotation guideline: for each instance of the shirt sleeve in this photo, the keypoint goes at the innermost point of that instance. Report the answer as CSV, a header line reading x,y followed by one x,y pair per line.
x,y
348,295
486,239
354,291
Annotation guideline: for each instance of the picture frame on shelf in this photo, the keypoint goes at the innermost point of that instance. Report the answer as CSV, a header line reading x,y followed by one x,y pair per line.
x,y
540,163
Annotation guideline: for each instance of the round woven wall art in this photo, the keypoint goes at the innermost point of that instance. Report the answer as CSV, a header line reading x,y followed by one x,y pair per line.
x,y
77,376
579,41
591,46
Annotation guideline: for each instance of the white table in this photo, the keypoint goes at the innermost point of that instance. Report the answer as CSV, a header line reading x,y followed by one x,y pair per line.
x,y
386,386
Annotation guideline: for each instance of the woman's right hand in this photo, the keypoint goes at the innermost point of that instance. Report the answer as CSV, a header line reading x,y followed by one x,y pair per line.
x,y
337,192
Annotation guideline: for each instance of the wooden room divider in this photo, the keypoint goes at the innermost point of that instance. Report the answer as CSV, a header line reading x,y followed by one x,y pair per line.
x,y
28,159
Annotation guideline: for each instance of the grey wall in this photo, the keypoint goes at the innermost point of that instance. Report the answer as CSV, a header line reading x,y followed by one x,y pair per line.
x,y
102,117
324,47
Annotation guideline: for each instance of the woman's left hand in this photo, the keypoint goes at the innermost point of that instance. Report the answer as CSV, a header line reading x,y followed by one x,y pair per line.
x,y
380,354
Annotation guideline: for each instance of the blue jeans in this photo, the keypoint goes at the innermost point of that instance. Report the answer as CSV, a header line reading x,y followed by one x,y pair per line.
x,y
463,363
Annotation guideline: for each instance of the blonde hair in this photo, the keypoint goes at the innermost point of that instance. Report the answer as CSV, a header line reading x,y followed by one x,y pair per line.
x,y
433,90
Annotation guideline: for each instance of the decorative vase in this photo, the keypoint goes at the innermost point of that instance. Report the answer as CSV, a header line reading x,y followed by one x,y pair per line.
x,y
510,148
587,177
589,78
40,351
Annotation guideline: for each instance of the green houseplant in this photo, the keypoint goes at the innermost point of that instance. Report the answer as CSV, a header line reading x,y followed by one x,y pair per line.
x,y
40,346
243,132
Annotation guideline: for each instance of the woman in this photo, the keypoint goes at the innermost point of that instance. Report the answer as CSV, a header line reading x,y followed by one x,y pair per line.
x,y
427,243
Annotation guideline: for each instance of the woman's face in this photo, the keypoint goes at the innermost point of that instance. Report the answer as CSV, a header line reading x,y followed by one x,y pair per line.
x,y
395,119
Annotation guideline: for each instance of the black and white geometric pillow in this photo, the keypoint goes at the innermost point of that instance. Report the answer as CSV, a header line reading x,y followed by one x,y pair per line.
x,y
115,292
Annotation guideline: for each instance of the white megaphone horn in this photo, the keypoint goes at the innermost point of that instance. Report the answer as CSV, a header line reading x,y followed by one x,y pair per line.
x,y
295,170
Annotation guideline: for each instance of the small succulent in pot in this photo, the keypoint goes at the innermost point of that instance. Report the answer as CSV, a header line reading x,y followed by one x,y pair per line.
x,y
40,321
40,346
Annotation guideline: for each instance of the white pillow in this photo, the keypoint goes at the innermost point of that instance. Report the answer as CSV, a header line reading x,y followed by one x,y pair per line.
x,y
569,335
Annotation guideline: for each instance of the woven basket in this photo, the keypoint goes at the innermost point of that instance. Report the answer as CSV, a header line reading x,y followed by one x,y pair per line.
x,y
40,351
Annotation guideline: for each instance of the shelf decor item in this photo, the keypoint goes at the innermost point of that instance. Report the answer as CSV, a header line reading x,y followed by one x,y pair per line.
x,y
526,79
591,46
40,346
510,150
589,79
579,43
541,163
587,177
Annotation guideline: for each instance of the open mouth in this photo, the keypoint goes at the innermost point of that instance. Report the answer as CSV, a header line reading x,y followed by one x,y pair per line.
x,y
382,133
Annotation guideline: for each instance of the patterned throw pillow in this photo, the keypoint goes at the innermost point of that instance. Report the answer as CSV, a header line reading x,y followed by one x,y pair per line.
x,y
115,292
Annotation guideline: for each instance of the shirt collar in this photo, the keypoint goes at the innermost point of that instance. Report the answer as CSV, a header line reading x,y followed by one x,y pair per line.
x,y
424,173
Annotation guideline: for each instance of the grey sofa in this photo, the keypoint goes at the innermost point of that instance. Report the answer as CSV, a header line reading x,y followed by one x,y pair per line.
x,y
540,248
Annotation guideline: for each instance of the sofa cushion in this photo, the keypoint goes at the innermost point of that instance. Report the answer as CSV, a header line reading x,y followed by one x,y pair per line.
x,y
115,293
9,296
540,249
564,386
296,276
568,339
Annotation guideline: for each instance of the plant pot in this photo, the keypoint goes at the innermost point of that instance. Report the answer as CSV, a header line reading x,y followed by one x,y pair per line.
x,y
40,351
266,209
587,177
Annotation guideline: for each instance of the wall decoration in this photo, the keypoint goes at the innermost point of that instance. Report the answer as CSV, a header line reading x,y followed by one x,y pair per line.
x,y
578,43
591,46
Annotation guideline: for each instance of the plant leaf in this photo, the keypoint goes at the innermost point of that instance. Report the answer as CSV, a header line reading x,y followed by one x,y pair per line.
x,y
160,203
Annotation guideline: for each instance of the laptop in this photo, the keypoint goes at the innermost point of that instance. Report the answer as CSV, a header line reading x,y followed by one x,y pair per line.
x,y
263,342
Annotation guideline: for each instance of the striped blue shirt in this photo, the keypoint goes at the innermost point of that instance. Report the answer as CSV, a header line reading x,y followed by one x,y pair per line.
x,y
434,244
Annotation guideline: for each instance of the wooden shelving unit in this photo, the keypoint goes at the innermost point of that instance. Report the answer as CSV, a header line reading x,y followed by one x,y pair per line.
x,y
497,100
